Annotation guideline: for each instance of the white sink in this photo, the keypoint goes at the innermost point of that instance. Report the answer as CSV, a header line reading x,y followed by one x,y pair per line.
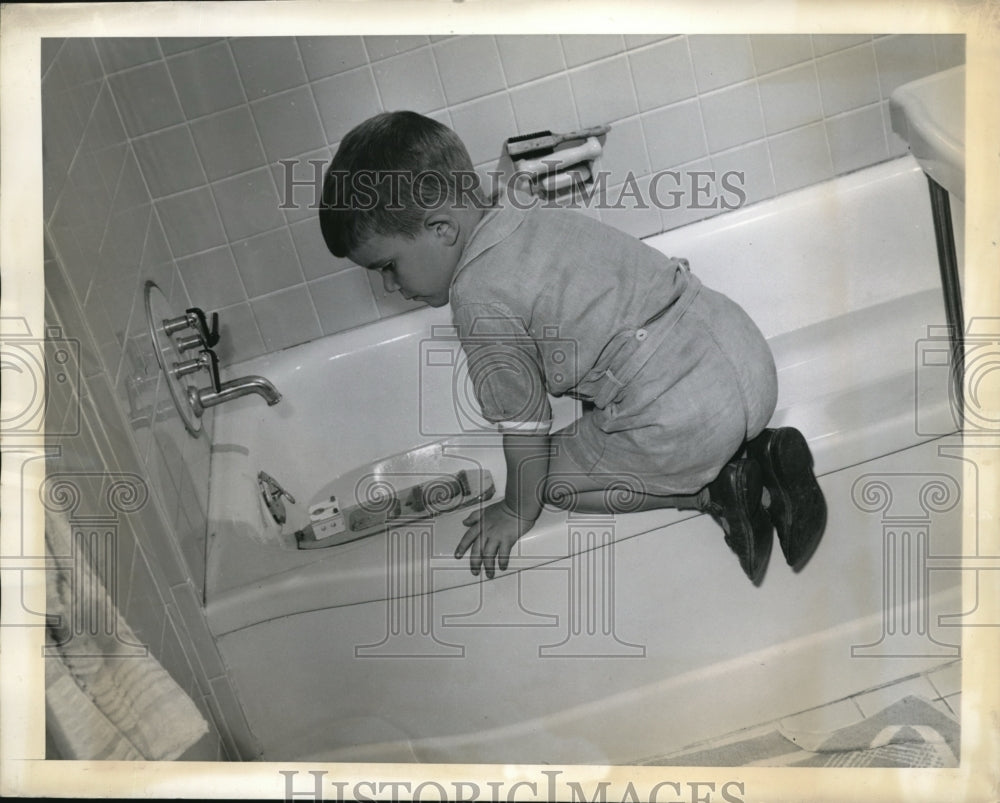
x,y
930,115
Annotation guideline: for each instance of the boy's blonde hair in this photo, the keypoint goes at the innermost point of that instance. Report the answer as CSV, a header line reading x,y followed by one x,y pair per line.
x,y
387,174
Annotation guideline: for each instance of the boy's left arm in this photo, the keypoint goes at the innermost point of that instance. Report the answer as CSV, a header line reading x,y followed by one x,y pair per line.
x,y
493,532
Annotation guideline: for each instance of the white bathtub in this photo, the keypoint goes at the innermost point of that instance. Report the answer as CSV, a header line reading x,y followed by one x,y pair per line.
x,y
610,639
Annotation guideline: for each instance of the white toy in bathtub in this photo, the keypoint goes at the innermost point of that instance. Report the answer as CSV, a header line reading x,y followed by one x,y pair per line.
x,y
326,519
385,506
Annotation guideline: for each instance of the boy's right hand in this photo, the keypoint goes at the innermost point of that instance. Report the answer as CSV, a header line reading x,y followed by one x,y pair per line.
x,y
491,535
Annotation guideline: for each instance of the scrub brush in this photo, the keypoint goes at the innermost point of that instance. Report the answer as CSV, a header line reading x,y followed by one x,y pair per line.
x,y
542,143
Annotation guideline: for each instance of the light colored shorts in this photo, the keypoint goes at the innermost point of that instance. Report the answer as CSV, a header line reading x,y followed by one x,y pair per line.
x,y
708,387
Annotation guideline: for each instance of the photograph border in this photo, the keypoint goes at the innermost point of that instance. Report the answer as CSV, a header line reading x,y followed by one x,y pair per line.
x,y
23,769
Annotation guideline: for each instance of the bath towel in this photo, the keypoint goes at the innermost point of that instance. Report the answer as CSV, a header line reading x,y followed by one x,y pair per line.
x,y
105,696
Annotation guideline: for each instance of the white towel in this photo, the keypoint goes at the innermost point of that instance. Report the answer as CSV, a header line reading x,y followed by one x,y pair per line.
x,y
102,699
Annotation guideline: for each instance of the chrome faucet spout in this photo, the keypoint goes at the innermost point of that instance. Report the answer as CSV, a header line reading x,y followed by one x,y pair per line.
x,y
233,389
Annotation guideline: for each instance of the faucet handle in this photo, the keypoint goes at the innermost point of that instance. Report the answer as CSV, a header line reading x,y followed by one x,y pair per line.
x,y
194,318
206,359
200,323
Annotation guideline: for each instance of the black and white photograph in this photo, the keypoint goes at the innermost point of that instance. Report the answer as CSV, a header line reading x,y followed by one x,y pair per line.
x,y
425,401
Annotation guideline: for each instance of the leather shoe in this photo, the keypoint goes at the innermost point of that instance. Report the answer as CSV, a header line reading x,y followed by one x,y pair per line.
x,y
735,503
797,507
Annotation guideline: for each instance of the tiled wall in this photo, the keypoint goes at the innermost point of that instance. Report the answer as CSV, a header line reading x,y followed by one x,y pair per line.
x,y
209,120
110,417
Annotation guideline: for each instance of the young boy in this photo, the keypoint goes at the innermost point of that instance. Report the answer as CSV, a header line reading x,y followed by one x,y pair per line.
x,y
677,382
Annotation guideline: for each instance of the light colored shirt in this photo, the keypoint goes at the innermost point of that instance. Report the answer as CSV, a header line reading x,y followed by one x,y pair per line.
x,y
539,297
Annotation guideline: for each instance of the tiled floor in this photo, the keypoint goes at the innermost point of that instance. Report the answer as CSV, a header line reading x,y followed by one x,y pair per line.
x,y
941,685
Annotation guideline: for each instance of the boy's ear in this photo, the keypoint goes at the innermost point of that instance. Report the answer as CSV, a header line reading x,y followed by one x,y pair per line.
x,y
444,225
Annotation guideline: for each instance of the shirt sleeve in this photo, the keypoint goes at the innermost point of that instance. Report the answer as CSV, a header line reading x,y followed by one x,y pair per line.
x,y
505,368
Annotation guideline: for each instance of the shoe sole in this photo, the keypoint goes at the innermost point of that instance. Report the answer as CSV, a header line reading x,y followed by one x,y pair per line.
x,y
797,507
760,526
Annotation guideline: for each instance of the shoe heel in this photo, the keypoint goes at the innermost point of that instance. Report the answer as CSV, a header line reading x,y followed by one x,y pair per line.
x,y
797,506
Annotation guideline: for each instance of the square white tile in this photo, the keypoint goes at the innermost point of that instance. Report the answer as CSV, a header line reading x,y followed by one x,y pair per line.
x,y
545,105
604,92
743,175
469,67
720,59
624,151
212,279
248,204
267,262
800,157
286,318
78,62
732,116
146,99
526,57
168,161
774,51
409,81
663,73
857,139
288,124
268,64
848,79
227,143
241,338
329,55
674,134
630,208
314,257
206,80
483,126
790,98
345,100
343,300
190,222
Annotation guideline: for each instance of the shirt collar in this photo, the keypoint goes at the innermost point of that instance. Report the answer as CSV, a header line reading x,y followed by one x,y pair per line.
x,y
498,223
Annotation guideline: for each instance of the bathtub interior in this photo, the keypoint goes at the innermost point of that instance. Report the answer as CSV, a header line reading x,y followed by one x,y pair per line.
x,y
841,278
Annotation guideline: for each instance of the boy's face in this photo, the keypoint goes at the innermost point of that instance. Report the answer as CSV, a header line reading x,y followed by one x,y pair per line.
x,y
420,268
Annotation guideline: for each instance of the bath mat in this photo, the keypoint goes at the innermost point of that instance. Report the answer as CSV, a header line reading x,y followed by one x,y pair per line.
x,y
909,733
